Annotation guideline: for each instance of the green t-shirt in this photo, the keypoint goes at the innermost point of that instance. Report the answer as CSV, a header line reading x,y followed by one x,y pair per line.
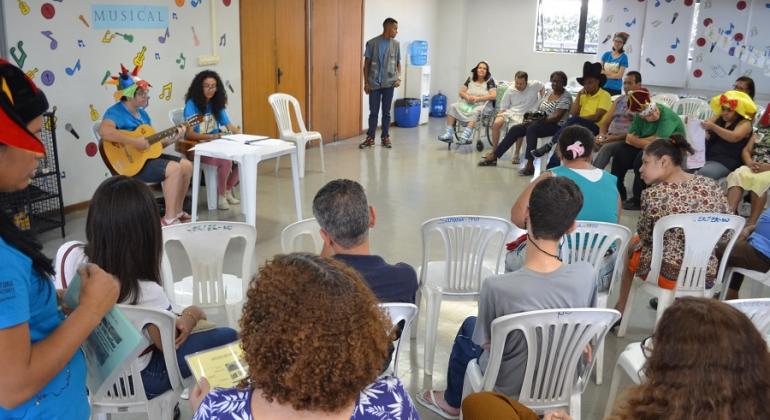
x,y
669,123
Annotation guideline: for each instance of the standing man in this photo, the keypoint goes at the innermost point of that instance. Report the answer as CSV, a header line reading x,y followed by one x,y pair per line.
x,y
382,73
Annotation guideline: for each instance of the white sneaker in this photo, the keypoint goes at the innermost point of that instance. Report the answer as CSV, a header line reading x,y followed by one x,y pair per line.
x,y
231,198
222,203
448,135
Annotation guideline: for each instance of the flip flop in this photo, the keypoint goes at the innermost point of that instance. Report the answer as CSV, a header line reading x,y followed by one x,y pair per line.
x,y
433,406
516,160
184,217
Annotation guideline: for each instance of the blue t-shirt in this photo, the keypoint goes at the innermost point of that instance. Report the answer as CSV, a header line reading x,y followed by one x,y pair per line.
x,y
760,238
124,119
26,297
614,64
384,44
600,198
390,283
210,125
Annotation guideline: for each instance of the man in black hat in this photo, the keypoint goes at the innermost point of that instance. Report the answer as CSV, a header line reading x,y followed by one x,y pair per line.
x,y
588,108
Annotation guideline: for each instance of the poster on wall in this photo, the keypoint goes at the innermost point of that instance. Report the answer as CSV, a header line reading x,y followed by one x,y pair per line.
x,y
755,55
667,28
625,17
719,44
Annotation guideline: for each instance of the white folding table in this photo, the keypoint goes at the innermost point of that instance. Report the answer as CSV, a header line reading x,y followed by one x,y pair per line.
x,y
248,157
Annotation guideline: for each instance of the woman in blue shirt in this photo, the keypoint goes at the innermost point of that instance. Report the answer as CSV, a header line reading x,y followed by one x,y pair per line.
x,y
44,371
207,97
615,63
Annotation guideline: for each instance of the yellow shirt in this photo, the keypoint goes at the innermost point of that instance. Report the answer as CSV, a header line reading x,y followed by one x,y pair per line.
x,y
590,103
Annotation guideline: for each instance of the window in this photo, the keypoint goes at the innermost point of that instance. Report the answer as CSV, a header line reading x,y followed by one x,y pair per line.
x,y
568,26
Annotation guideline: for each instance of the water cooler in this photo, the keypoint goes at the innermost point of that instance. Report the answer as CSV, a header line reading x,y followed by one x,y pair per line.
x,y
418,86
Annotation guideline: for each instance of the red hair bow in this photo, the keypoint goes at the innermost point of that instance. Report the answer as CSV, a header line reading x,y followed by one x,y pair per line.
x,y
732,103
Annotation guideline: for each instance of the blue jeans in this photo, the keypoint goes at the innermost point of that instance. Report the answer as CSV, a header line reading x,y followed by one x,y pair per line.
x,y
714,170
463,351
382,96
155,375
571,121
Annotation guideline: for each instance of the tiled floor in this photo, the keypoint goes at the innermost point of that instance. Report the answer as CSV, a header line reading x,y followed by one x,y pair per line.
x,y
416,180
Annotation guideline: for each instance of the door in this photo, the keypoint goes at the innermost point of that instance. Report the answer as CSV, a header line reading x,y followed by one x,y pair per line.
x,y
324,67
350,60
290,48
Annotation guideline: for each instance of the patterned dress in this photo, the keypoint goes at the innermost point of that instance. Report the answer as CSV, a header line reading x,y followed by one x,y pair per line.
x,y
385,399
697,195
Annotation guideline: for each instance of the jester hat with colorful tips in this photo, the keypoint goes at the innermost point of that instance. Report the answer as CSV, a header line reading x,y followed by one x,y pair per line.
x,y
128,83
736,101
20,103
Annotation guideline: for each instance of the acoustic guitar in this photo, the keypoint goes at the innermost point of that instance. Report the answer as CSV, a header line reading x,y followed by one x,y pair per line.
x,y
125,159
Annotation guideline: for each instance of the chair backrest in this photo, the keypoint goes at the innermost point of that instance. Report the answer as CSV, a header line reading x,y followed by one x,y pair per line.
x,y
668,99
691,107
128,388
95,130
701,233
556,340
466,240
758,310
176,116
280,103
758,116
590,241
399,312
205,244
290,233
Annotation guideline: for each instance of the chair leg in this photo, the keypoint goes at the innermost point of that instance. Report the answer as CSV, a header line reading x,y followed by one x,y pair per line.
x,y
664,301
321,147
301,146
433,308
600,363
629,305
574,405
613,390
726,281
210,174
277,164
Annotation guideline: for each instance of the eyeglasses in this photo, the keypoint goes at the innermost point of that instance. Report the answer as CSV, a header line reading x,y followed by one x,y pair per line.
x,y
726,109
210,87
646,347
142,94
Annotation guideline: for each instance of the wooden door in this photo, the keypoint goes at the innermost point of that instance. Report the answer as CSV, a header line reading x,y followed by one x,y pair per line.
x,y
350,74
258,65
291,57
324,20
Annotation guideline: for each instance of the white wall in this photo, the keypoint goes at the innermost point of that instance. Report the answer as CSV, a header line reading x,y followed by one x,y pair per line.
x,y
417,20
73,94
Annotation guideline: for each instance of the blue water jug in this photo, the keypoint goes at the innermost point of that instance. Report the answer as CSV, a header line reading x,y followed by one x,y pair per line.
x,y
418,53
438,105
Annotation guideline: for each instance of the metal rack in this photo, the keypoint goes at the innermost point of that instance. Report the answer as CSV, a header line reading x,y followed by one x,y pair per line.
x,y
40,207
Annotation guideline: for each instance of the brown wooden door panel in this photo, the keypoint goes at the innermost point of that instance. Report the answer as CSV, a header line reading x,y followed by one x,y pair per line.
x,y
258,65
350,60
291,57
323,58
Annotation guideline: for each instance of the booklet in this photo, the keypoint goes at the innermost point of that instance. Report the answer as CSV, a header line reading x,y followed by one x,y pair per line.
x,y
244,138
223,366
114,340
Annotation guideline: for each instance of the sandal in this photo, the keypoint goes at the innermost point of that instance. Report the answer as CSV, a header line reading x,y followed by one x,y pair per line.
x,y
432,405
516,160
164,222
183,217
485,162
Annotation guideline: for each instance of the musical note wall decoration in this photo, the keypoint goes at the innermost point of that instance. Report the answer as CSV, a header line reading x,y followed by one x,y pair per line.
x,y
182,61
174,16
31,74
72,70
631,23
675,44
157,56
49,35
47,77
81,44
223,40
195,3
162,39
165,94
18,54
139,57
94,114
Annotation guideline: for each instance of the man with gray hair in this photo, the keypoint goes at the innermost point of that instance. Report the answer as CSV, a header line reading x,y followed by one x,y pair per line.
x,y
345,216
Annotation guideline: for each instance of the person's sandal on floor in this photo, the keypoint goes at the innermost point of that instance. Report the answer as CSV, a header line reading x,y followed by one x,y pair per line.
x,y
528,169
488,162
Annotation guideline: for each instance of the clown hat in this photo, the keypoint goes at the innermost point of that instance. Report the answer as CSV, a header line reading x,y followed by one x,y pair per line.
x,y
20,102
128,83
737,101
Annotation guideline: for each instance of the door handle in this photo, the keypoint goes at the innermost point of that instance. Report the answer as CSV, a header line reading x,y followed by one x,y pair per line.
x,y
278,74
335,68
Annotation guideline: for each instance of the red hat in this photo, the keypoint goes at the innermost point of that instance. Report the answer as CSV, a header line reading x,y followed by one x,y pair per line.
x,y
20,102
639,100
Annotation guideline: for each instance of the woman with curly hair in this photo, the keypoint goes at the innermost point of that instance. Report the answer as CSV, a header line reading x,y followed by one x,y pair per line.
x,y
706,360
207,97
315,342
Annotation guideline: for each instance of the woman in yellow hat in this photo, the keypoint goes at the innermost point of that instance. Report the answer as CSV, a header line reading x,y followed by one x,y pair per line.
x,y
727,133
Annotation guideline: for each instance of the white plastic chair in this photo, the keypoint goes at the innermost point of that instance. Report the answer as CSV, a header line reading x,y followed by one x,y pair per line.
x,y
701,232
126,395
542,162
398,312
556,340
691,107
590,242
631,361
290,233
667,99
758,311
176,116
280,103
458,276
760,279
205,244
758,116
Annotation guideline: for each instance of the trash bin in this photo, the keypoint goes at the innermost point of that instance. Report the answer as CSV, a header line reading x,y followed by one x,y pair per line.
x,y
407,112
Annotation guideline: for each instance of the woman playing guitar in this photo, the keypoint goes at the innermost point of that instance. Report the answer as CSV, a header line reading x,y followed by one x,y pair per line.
x,y
128,114
208,98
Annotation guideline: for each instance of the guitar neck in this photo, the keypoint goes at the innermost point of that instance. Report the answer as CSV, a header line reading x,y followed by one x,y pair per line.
x,y
161,135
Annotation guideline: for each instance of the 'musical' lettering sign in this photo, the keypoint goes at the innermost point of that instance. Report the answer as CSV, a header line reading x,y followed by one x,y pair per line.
x,y
113,16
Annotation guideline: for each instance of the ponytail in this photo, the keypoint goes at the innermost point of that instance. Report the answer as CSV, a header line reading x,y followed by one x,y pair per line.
x,y
676,147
